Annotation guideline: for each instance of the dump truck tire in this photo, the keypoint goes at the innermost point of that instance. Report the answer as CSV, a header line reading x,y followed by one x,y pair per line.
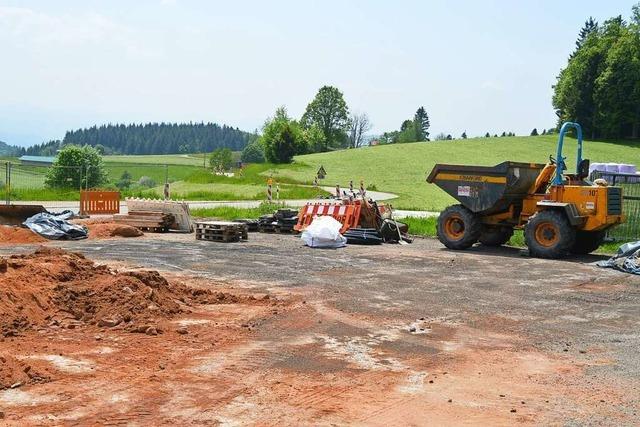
x,y
587,241
495,236
548,234
458,227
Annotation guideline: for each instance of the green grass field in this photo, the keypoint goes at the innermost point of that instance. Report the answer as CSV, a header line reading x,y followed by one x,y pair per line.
x,y
402,168
398,168
232,213
187,181
164,159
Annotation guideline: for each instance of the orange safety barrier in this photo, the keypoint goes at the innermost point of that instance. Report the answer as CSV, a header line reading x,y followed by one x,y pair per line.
x,y
99,202
347,214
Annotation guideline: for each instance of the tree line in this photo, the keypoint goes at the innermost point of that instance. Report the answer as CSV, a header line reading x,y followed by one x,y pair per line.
x,y
600,86
10,150
150,138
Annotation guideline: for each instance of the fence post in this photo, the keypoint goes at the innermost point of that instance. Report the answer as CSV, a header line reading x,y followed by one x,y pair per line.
x,y
8,182
83,168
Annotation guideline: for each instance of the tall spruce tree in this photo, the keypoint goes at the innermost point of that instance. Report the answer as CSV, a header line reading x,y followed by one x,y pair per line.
x,y
590,26
421,119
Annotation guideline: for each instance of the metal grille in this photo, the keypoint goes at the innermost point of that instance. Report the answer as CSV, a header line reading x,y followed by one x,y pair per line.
x,y
614,201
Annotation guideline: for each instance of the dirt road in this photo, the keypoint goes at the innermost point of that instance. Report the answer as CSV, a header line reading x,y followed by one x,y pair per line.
x,y
389,335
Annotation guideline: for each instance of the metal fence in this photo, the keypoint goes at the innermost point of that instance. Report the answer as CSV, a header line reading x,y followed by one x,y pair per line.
x,y
630,184
60,187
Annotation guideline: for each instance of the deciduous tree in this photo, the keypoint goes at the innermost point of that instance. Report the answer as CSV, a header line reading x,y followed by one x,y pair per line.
x,y
329,112
221,160
282,138
360,125
76,167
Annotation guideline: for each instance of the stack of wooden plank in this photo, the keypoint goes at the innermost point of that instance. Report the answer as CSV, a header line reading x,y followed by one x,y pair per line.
x,y
221,231
146,220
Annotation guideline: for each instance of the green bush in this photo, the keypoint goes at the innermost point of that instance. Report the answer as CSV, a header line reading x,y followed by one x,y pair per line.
x,y
253,153
76,167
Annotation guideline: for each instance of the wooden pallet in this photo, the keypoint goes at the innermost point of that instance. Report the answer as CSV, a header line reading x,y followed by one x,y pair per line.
x,y
221,231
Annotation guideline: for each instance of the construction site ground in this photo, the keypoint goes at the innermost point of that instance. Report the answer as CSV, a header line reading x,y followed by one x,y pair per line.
x,y
363,335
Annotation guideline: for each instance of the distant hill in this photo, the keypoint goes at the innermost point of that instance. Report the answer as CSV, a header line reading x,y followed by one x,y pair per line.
x,y
151,138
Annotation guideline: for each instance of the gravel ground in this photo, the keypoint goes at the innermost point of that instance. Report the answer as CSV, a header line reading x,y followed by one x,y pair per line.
x,y
562,335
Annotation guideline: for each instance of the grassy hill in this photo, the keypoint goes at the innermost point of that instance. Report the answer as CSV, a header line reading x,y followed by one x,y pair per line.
x,y
402,168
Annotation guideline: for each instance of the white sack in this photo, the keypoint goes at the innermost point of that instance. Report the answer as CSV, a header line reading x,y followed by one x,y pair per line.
x,y
324,232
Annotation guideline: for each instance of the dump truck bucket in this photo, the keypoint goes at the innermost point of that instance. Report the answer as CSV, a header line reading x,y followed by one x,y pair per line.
x,y
485,189
17,214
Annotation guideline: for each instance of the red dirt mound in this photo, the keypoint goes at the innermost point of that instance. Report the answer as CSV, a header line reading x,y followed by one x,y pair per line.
x,y
53,287
17,235
104,230
14,372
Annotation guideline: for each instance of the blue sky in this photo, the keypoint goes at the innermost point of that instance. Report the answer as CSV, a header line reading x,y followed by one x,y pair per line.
x,y
475,65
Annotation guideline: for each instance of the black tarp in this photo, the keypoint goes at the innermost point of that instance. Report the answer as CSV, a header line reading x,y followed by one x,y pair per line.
x,y
56,226
626,259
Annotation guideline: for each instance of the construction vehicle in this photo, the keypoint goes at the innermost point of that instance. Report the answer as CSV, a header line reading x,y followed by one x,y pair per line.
x,y
561,213
11,214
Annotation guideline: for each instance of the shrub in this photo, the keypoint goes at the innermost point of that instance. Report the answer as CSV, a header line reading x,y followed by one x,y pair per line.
x,y
76,167
146,181
253,153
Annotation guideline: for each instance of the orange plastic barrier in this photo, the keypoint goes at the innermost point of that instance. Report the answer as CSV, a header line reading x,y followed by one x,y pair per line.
x,y
347,214
98,202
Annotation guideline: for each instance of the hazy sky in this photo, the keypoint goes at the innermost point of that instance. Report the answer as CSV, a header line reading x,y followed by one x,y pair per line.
x,y
475,65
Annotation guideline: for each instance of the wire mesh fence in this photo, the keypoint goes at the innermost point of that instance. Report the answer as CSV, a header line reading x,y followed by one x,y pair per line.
x,y
35,184
630,184
60,186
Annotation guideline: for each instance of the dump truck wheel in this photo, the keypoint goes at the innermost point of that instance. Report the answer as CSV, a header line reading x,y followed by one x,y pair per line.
x,y
495,236
587,241
548,234
458,227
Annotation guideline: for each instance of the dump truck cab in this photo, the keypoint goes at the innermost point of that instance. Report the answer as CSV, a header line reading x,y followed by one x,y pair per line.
x,y
559,212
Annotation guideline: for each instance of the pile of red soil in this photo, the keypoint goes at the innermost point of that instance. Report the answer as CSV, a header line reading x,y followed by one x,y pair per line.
x,y
18,235
15,372
56,288
104,230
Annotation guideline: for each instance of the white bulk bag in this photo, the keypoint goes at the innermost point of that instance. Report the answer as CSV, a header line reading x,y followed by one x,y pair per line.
x,y
324,232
